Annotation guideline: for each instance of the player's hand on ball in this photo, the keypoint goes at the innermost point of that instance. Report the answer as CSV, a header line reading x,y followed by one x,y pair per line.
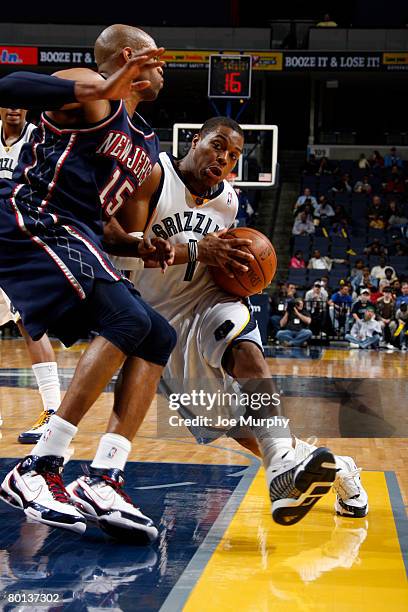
x,y
224,253
156,253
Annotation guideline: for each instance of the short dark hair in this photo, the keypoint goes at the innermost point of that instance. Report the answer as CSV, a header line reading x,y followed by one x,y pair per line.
x,y
211,125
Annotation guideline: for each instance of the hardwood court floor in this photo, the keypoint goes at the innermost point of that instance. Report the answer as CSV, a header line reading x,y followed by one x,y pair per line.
x,y
324,563
20,405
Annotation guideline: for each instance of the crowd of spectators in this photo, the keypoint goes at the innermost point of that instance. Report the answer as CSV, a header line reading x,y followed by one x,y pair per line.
x,y
349,254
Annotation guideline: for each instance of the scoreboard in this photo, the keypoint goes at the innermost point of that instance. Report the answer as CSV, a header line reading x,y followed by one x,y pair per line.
x,y
229,76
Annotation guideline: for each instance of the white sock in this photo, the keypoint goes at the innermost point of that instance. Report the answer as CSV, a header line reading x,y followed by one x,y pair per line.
x,y
48,384
56,438
113,451
274,450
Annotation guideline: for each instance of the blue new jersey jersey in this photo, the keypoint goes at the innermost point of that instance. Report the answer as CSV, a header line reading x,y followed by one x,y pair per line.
x,y
52,209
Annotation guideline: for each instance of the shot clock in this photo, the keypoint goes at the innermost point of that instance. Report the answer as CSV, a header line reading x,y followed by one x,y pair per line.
x,y
229,76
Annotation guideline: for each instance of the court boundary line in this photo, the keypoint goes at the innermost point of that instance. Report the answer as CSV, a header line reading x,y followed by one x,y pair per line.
x,y
399,513
192,573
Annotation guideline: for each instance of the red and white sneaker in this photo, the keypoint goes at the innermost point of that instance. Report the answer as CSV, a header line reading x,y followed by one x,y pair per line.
x,y
351,497
100,497
35,486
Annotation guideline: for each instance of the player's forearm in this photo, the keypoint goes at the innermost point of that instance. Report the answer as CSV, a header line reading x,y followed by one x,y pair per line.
x,y
119,242
181,254
30,90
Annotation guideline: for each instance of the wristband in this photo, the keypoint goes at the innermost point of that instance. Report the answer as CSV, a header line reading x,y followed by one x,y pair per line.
x,y
192,251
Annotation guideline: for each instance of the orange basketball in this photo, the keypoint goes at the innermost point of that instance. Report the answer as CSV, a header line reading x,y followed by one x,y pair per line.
x,y
261,270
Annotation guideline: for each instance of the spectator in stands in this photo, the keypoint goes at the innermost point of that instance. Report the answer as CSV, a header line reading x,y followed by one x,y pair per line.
x,y
376,222
324,209
375,248
277,304
363,163
378,271
363,281
396,288
399,327
403,298
393,159
327,22
316,305
360,306
339,307
375,294
398,248
395,182
363,185
324,280
303,225
357,269
340,215
317,293
385,312
326,167
376,209
376,161
317,262
311,166
294,325
307,195
297,261
366,333
342,185
394,215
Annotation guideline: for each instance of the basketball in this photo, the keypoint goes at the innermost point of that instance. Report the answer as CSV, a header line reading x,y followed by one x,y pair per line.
x,y
261,270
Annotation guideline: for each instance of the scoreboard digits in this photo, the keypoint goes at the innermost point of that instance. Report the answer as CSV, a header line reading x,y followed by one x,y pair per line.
x,y
230,76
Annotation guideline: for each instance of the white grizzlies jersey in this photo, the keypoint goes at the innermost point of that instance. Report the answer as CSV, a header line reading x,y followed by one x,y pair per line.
x,y
180,216
9,154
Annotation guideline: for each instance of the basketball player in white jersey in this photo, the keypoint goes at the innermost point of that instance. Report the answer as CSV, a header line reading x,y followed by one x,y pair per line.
x,y
187,201
14,133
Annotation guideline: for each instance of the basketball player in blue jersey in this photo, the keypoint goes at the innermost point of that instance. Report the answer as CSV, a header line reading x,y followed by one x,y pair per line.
x,y
186,201
87,156
14,132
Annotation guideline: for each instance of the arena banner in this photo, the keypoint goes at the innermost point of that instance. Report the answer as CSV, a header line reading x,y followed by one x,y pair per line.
x,y
65,56
336,61
18,56
175,58
395,61
260,305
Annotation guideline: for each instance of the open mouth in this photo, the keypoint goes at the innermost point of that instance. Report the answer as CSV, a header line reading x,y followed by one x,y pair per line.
x,y
214,171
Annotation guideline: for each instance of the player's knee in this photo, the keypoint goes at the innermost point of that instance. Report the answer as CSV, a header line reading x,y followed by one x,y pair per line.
x,y
165,335
245,360
128,329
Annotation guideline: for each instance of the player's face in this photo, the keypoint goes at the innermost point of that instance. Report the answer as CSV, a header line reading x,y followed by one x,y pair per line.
x,y
13,116
215,154
154,75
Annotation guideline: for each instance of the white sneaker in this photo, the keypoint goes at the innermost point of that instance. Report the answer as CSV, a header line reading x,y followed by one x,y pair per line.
x,y
353,345
295,486
31,436
351,497
100,497
35,486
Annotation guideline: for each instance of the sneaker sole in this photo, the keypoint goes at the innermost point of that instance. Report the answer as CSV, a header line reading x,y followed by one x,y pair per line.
x,y
14,502
313,478
353,512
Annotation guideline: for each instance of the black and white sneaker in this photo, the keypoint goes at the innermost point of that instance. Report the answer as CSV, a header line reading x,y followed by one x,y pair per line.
x,y
295,487
35,486
100,497
32,435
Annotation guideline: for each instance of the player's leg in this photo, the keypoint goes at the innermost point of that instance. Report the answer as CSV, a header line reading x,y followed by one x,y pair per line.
x,y
122,323
45,370
351,498
100,493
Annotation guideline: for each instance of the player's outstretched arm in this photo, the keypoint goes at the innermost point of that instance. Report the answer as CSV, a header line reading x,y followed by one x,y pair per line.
x,y
70,89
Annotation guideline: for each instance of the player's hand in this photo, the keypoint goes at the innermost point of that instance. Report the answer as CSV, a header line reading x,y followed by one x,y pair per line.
x,y
224,253
122,83
156,253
